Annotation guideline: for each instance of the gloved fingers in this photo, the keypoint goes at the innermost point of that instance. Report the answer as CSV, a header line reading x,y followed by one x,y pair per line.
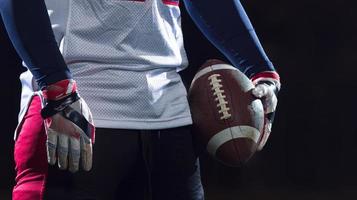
x,y
51,145
267,95
86,153
270,104
74,154
62,151
260,90
265,136
85,140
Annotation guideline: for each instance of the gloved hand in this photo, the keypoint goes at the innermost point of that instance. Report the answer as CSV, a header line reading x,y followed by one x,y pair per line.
x,y
69,126
267,85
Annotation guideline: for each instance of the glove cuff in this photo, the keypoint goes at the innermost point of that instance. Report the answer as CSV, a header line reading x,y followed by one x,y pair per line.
x,y
59,90
267,76
59,96
55,106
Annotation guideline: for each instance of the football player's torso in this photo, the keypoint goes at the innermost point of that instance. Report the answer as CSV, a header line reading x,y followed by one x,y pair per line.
x,y
125,32
125,56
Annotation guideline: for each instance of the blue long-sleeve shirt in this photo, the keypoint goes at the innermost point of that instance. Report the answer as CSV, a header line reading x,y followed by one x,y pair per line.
x,y
29,29
227,26
223,22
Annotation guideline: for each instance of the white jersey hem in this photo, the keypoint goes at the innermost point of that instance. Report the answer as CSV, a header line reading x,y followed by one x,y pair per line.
x,y
143,125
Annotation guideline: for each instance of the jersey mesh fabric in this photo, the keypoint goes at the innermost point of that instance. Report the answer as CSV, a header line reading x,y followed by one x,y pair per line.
x,y
125,56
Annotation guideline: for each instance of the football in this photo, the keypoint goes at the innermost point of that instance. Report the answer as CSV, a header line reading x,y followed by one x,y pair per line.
x,y
227,119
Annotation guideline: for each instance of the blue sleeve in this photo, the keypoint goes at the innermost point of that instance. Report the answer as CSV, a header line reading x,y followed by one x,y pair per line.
x,y
29,28
227,26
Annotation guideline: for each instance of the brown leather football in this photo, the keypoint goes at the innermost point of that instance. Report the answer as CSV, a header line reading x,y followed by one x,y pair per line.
x,y
227,119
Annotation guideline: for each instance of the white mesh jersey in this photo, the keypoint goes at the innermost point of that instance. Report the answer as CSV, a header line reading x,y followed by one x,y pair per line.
x,y
125,56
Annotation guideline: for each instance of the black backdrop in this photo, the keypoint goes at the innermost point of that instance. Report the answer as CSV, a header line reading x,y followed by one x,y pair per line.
x,y
312,152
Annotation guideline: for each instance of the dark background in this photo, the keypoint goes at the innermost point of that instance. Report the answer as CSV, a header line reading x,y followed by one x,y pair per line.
x,y
312,152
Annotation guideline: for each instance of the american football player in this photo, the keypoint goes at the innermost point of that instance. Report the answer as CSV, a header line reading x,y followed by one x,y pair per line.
x,y
124,56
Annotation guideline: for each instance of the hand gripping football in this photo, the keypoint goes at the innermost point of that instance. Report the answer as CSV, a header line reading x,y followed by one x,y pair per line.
x,y
227,119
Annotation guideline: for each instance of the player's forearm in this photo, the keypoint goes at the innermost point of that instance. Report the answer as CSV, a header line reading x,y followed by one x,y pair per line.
x,y
226,25
29,29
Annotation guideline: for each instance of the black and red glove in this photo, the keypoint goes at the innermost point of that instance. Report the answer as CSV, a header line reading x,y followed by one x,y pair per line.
x,y
69,126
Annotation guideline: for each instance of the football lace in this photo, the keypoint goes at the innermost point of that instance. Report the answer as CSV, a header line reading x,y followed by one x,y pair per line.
x,y
218,92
